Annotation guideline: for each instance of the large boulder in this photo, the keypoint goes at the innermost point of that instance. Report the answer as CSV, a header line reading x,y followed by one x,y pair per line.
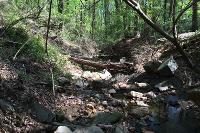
x,y
63,129
107,118
92,129
152,67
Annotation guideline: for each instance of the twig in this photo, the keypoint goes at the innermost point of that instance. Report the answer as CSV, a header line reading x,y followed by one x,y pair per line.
x,y
14,58
53,83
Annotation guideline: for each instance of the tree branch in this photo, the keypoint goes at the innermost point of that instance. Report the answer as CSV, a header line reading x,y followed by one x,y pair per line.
x,y
135,6
189,5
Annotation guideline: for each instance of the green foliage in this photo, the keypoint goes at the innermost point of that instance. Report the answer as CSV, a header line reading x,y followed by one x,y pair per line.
x,y
77,17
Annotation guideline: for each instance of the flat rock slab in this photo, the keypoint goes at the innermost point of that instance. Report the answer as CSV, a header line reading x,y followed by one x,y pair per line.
x,y
107,118
42,113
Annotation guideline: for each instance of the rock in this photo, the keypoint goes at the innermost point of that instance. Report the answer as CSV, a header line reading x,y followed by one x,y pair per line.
x,y
168,67
140,112
6,106
172,100
42,114
105,75
121,129
107,118
105,103
116,102
151,94
63,129
162,88
194,95
142,85
144,130
62,81
98,96
185,104
80,83
136,94
92,129
99,84
152,67
141,103
112,91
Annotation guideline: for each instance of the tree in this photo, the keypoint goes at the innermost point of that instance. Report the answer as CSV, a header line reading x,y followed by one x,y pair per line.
x,y
60,6
194,16
93,18
106,17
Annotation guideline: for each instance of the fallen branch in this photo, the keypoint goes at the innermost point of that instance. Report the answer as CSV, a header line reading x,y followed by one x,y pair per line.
x,y
14,58
112,66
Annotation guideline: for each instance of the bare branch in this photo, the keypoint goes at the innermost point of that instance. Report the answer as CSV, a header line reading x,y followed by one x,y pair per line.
x,y
135,6
189,5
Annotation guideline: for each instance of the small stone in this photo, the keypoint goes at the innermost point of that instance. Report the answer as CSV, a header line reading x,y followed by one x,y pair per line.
x,y
161,88
63,129
112,91
151,94
105,103
136,94
142,85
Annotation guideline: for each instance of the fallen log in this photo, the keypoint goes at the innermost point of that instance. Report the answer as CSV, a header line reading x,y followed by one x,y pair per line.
x,y
126,67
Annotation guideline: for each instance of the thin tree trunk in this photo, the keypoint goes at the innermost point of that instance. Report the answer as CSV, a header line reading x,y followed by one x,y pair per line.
x,y
195,16
164,14
93,18
60,6
106,17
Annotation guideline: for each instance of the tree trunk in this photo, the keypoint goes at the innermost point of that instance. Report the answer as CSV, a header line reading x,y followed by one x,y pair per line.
x,y
60,6
106,17
93,18
195,16
164,14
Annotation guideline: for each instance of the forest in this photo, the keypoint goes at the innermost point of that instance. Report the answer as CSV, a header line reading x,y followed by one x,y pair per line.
x,y
99,66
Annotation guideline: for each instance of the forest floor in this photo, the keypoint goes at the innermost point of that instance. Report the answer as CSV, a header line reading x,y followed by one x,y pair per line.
x,y
97,100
